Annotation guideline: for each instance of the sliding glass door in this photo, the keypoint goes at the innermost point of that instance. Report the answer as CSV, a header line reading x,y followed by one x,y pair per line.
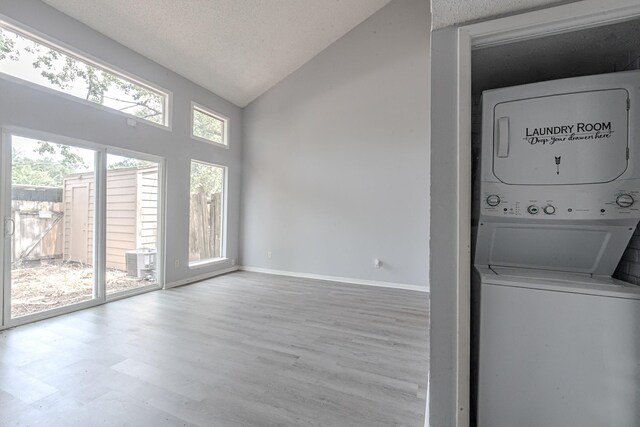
x,y
49,223
80,224
132,209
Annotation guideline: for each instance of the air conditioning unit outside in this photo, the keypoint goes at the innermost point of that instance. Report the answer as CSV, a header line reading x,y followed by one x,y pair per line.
x,y
141,263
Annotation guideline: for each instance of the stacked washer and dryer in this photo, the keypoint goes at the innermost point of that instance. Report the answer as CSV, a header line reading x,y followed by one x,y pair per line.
x,y
559,199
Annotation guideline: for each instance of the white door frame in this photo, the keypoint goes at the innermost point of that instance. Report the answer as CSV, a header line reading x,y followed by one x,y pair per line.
x,y
545,22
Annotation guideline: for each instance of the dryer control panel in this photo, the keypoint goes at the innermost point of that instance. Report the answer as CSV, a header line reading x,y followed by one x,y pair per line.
x,y
539,203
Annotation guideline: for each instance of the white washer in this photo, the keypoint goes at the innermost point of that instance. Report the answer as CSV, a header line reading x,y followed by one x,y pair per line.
x,y
558,350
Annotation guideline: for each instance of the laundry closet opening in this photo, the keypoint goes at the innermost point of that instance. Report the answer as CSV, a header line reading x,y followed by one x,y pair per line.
x,y
545,247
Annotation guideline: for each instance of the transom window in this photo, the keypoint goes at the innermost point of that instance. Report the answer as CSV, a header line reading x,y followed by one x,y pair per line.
x,y
208,125
29,58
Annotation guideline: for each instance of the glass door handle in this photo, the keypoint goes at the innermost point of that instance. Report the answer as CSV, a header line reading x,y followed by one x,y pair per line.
x,y
9,230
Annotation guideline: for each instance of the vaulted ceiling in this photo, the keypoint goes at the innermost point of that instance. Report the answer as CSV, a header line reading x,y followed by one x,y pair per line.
x,y
238,49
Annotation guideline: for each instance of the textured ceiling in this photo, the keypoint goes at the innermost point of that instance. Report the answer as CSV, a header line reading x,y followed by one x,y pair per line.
x,y
596,50
451,12
238,49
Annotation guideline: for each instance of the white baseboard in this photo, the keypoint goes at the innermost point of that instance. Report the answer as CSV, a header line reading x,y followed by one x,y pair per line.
x,y
337,279
200,277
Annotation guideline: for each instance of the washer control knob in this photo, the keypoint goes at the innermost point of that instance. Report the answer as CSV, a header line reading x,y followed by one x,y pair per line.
x,y
533,209
493,200
624,200
549,210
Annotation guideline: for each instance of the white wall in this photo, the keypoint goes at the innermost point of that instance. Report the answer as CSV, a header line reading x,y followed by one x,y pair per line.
x,y
31,108
336,157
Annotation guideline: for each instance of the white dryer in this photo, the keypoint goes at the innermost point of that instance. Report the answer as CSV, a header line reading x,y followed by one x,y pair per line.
x,y
560,174
558,339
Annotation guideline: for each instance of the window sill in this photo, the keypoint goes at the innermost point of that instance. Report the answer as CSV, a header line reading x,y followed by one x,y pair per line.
x,y
207,263
209,141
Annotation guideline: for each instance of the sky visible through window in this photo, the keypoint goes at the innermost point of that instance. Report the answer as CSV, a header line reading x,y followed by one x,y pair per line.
x,y
28,148
32,61
45,163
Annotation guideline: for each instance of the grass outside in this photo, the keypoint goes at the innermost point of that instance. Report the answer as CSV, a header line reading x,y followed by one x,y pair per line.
x,y
57,284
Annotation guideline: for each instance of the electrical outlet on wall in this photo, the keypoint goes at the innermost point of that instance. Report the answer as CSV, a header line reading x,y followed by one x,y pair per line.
x,y
269,254
177,263
377,263
233,261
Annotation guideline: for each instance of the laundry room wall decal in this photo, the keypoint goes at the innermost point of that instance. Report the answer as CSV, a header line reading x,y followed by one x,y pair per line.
x,y
549,135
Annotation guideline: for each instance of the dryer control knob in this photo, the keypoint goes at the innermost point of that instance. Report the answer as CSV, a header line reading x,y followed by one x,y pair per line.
x,y
625,200
493,200
549,210
533,209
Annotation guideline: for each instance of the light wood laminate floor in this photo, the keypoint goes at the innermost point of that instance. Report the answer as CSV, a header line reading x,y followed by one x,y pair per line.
x,y
244,349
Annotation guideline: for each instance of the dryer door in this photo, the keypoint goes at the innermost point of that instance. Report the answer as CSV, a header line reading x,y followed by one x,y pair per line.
x,y
573,138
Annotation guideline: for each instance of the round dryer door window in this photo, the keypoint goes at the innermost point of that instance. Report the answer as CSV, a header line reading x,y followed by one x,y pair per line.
x,y
574,138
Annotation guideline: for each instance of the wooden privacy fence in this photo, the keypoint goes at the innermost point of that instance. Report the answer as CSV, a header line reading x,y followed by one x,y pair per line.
x,y
37,213
205,226
46,219
59,222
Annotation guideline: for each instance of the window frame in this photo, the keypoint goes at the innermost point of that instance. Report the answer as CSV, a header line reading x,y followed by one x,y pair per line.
x,y
223,221
209,112
79,55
